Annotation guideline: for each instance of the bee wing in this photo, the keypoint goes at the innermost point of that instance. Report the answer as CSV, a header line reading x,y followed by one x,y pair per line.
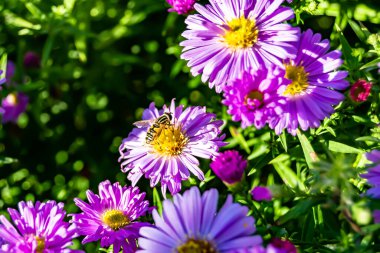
x,y
143,123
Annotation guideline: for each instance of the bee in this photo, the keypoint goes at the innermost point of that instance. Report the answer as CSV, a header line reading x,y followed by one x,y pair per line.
x,y
154,125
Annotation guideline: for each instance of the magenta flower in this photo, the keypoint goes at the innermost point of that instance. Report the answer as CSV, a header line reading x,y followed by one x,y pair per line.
x,y
32,60
373,175
229,166
191,223
255,97
261,193
12,106
229,37
111,216
278,245
360,90
312,83
166,152
39,227
181,6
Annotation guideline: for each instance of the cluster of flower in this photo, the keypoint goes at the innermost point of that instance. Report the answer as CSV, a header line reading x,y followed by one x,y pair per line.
x,y
188,223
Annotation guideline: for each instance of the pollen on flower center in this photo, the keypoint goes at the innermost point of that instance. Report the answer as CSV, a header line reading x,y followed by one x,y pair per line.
x,y
242,33
12,99
299,79
196,246
40,244
169,140
115,219
253,99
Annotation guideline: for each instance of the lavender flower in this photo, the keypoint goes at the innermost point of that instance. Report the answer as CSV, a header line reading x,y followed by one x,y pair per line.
x,y
166,152
38,228
312,81
181,6
228,37
360,90
12,106
255,97
229,166
111,216
191,223
261,193
373,175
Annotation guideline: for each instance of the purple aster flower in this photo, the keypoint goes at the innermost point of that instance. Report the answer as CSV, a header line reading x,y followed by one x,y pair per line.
x,y
111,216
191,223
312,81
255,97
373,175
163,146
229,166
38,228
261,193
360,90
32,60
181,6
376,216
12,106
228,37
11,69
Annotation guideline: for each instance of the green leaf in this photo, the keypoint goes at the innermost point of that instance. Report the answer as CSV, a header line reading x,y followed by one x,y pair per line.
x,y
7,160
342,148
14,20
287,174
368,138
34,10
301,208
3,65
347,51
240,138
308,150
358,30
157,200
282,139
370,64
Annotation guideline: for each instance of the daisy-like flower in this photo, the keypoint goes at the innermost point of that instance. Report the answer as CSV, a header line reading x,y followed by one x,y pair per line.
x,y
38,228
12,106
191,223
229,166
228,37
111,216
181,6
312,83
255,97
373,175
163,148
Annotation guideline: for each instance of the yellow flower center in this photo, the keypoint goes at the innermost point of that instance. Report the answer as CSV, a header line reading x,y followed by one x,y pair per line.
x,y
298,76
115,219
169,140
196,246
253,97
40,244
242,33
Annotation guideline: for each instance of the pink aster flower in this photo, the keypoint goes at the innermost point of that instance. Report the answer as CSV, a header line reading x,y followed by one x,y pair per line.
x,y
261,193
312,84
12,106
38,227
181,6
163,146
229,37
229,166
255,97
111,216
360,90
373,175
